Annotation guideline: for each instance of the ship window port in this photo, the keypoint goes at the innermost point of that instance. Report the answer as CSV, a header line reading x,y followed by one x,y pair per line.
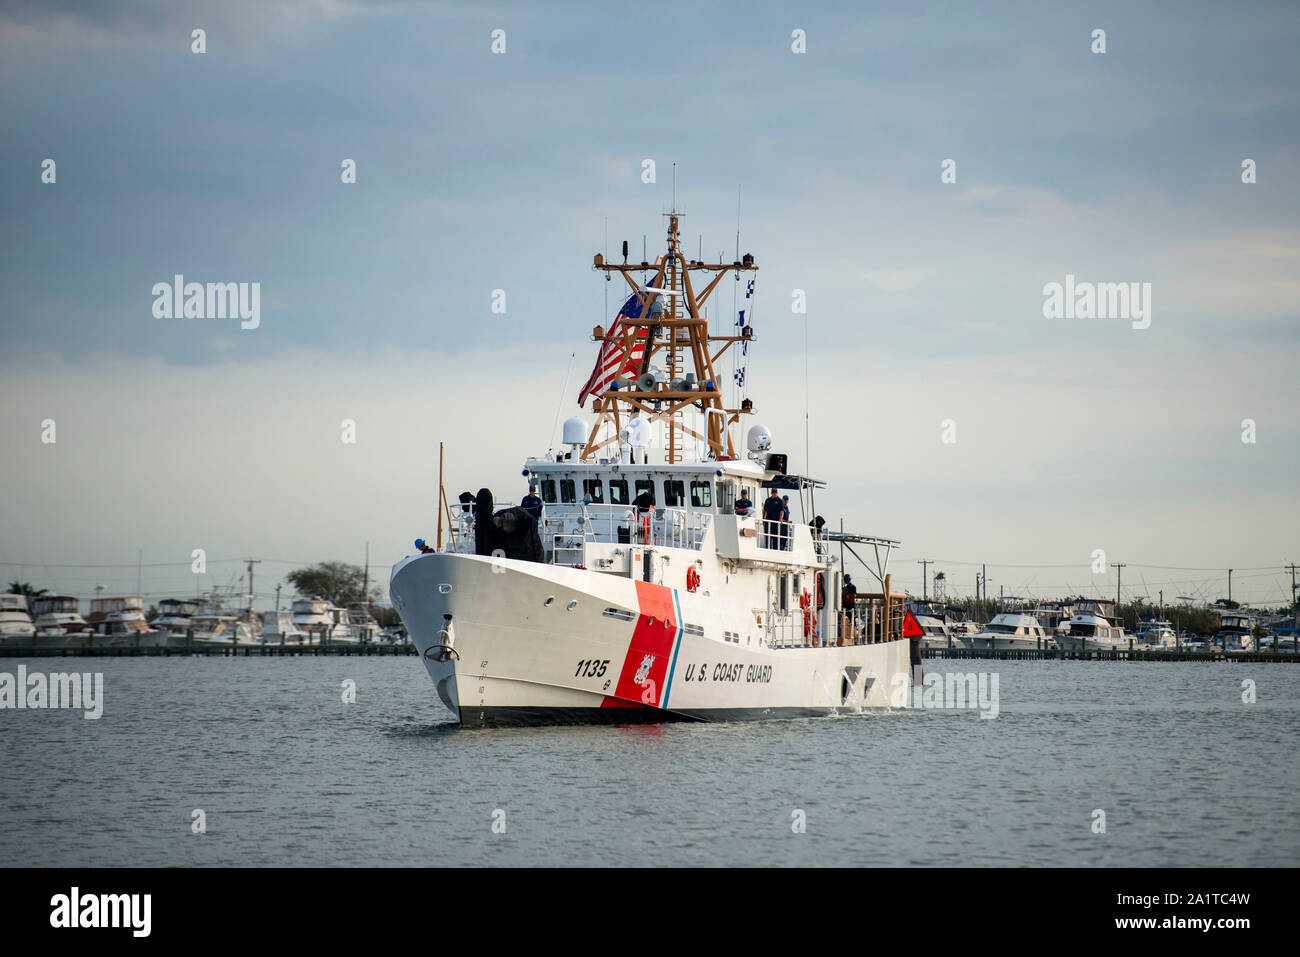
x,y
674,492
700,497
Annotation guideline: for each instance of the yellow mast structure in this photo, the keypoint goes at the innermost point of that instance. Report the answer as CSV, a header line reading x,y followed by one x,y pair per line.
x,y
676,331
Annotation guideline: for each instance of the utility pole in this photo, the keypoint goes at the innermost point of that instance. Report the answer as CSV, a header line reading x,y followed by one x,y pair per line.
x,y
277,596
925,564
365,580
984,579
1119,577
1229,584
251,563
1292,568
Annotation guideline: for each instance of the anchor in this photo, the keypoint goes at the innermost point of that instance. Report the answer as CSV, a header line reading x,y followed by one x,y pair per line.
x,y
445,649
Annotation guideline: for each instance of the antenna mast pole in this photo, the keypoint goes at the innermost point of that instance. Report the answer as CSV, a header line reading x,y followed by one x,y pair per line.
x,y
676,331
251,563
440,496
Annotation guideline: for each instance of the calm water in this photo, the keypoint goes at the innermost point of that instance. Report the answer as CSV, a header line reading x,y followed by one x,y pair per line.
x,y
288,774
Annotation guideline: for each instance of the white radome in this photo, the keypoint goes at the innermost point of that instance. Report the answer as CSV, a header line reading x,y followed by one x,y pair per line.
x,y
575,432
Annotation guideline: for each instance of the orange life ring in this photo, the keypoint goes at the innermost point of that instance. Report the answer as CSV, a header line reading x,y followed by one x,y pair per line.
x,y
692,579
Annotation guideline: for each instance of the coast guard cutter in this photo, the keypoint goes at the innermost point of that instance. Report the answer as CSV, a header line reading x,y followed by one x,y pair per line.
x,y
644,593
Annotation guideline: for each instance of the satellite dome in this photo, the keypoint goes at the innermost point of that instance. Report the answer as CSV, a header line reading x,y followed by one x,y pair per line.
x,y
575,431
758,438
636,433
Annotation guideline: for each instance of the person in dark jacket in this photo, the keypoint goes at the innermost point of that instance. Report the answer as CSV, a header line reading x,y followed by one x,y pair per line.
x,y
532,504
848,598
773,509
643,504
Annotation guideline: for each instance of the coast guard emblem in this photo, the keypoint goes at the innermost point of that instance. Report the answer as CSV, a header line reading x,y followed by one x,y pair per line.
x,y
643,672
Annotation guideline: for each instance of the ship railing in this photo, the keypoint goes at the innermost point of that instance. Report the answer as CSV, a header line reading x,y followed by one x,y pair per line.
x,y
868,622
566,530
567,534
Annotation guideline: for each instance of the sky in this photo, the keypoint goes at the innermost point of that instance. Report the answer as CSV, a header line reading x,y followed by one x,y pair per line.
x,y
479,171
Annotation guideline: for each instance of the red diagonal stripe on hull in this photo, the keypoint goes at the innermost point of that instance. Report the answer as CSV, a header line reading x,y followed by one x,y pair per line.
x,y
655,632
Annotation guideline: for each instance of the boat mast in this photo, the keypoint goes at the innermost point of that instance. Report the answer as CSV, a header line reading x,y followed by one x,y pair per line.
x,y
676,332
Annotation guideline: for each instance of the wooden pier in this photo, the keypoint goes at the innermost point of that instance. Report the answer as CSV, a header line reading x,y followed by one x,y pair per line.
x,y
211,651
1108,654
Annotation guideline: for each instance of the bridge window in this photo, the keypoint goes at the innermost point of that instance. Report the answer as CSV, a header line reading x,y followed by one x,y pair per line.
x,y
726,496
618,492
646,485
593,490
548,491
701,495
568,494
674,492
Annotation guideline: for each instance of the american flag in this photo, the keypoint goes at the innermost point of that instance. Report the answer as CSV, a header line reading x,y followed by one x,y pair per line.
x,y
611,350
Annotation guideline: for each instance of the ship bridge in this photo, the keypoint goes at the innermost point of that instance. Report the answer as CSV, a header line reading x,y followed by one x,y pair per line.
x,y
679,505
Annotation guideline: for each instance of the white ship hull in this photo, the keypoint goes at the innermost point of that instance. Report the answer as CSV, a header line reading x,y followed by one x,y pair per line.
x,y
530,643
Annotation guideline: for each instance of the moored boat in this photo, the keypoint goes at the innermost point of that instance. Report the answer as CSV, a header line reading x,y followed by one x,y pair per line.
x,y
16,625
931,616
1094,625
1009,631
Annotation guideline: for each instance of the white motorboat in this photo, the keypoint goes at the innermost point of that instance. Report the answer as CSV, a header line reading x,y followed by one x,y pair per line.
x,y
16,625
1010,631
1094,625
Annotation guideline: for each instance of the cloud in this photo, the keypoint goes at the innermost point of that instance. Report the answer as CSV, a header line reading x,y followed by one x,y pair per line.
x,y
244,24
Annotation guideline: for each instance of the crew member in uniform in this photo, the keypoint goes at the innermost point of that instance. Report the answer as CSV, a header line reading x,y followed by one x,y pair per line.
x,y
773,509
643,503
848,596
532,504
743,505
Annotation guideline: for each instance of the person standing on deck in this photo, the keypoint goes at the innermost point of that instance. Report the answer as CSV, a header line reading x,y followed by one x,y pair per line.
x,y
532,504
773,509
787,531
643,503
848,596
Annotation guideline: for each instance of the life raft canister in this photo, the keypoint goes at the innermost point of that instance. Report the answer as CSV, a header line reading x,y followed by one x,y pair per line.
x,y
692,579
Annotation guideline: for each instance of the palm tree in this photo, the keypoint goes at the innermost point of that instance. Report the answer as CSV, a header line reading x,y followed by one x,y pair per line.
x,y
25,588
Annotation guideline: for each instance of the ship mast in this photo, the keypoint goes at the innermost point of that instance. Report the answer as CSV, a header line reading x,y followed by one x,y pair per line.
x,y
676,332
